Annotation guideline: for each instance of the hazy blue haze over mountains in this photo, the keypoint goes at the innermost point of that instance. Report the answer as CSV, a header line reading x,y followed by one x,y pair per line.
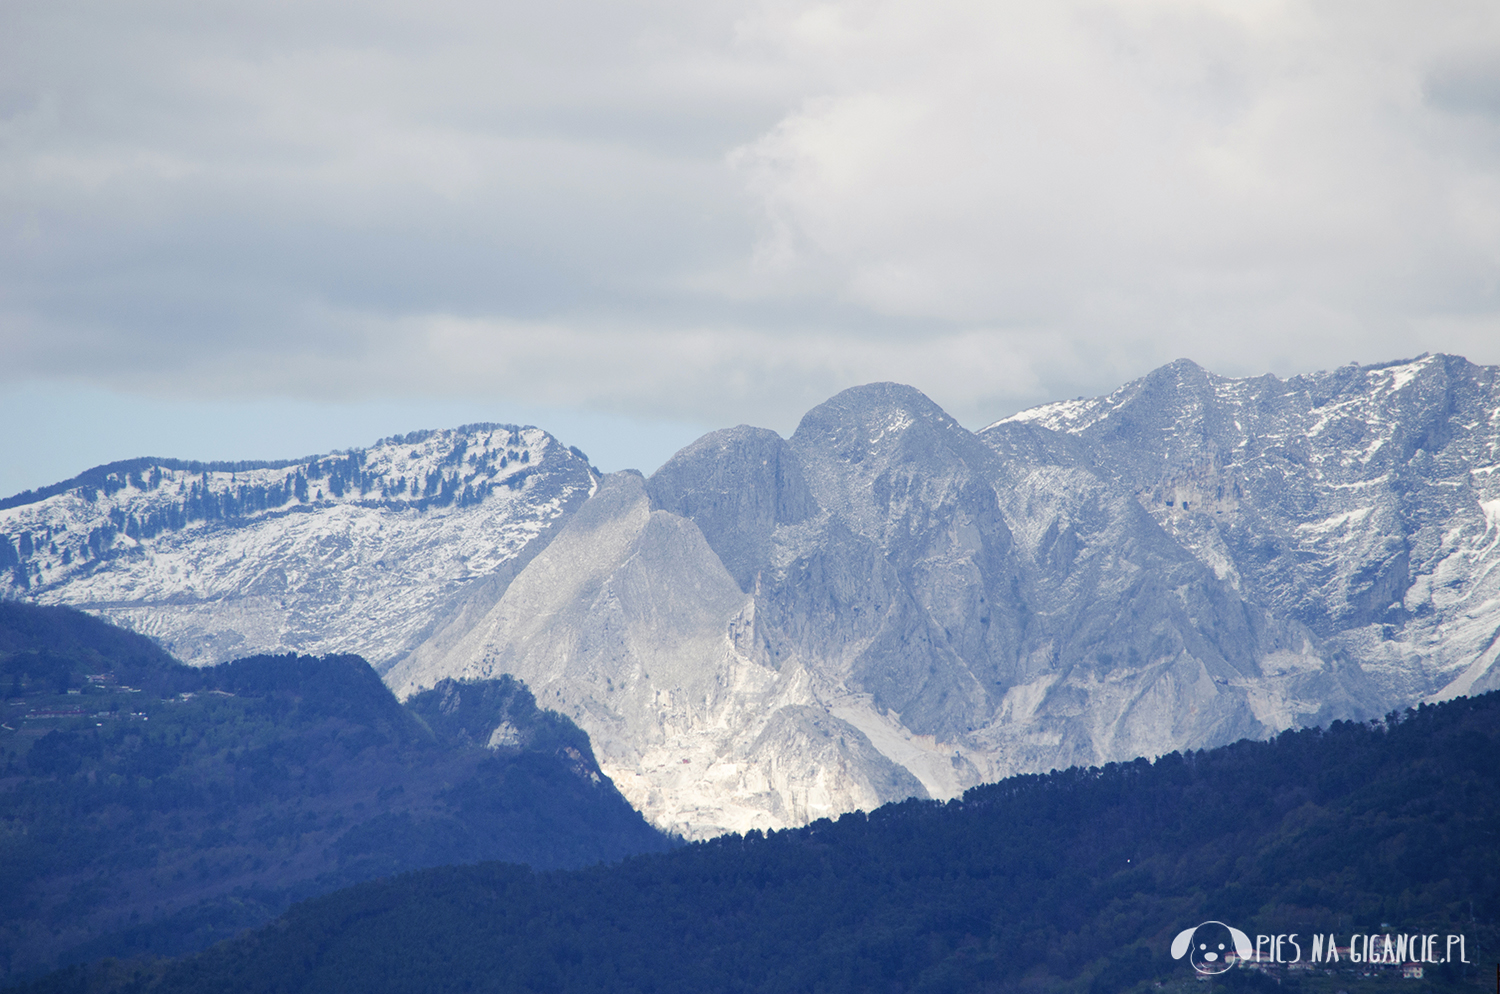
x,y
771,630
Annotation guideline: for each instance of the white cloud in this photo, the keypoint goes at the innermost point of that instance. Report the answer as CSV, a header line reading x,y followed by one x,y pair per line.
x,y
725,211
1251,184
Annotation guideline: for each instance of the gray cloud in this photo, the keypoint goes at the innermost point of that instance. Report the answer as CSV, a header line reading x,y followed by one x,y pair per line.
x,y
709,213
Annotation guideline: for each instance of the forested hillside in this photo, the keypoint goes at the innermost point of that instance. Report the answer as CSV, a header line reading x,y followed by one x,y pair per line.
x,y
147,807
1073,881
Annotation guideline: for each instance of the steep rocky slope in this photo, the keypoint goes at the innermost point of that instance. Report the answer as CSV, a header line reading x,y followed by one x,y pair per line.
x,y
718,628
885,604
1361,502
356,551
629,623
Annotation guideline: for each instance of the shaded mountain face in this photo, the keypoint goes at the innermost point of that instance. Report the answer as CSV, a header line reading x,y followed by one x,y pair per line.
x,y
885,604
357,551
150,808
737,486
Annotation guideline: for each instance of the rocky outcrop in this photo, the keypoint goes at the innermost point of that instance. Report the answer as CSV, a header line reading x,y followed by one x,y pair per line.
x,y
885,604
1361,502
881,606
631,625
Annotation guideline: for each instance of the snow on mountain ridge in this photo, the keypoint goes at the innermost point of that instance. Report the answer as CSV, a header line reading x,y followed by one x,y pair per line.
x,y
1351,499
348,552
771,630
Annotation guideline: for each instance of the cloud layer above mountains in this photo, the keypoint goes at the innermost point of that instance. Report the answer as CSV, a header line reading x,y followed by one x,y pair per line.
x,y
717,212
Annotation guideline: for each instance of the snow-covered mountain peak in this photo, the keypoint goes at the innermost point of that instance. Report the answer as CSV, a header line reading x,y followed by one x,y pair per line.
x,y
1352,500
224,559
770,630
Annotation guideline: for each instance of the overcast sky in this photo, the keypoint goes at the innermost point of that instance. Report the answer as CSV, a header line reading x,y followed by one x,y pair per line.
x,y
259,230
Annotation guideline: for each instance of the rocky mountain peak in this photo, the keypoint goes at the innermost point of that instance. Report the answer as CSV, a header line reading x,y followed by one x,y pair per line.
x,y
1338,498
351,551
770,630
886,460
737,486
869,422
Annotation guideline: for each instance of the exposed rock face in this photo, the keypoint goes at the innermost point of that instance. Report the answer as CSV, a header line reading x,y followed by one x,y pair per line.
x,y
631,624
737,486
770,630
1361,502
359,551
881,606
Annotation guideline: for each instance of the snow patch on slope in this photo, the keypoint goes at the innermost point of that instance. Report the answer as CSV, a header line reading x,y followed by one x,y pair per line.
x,y
350,552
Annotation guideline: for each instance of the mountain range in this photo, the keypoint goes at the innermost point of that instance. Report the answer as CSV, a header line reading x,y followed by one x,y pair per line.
x,y
770,630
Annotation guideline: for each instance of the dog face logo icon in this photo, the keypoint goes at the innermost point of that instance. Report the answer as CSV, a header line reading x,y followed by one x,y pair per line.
x,y
1211,947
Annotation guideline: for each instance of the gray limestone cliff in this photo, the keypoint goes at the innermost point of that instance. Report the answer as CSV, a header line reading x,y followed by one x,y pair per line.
x,y
883,605
1362,503
947,611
